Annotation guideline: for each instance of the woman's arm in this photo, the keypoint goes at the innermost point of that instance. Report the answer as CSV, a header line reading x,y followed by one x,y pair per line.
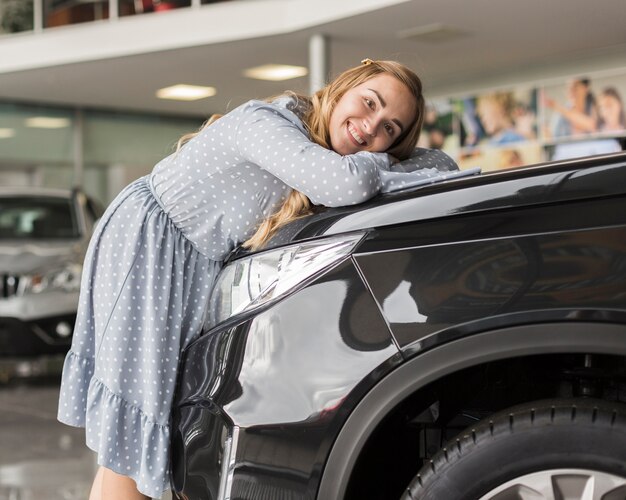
x,y
426,158
273,138
425,166
577,119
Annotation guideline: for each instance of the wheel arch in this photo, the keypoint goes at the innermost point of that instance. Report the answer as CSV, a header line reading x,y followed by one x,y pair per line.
x,y
424,369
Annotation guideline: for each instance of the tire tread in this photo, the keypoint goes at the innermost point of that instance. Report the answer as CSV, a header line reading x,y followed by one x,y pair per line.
x,y
517,419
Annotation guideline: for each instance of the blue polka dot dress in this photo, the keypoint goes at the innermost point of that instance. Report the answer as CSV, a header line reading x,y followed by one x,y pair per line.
x,y
156,252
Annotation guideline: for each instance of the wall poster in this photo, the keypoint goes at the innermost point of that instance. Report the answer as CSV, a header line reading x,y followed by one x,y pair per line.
x,y
511,127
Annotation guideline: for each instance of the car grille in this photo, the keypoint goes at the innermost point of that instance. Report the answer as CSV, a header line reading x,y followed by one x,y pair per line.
x,y
8,285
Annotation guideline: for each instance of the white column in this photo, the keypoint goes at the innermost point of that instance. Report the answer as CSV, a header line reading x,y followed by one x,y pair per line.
x,y
318,62
114,10
38,16
79,157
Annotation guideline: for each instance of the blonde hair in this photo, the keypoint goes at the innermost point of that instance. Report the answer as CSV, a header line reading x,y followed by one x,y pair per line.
x,y
317,123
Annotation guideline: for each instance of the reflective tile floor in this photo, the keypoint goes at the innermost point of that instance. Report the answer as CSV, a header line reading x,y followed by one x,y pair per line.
x,y
41,459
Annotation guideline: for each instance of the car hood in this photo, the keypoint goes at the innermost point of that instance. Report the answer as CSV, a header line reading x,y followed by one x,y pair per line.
x,y
37,257
555,182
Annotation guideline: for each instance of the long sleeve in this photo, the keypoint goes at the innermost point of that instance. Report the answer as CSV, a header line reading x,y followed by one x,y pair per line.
x,y
423,158
274,138
425,166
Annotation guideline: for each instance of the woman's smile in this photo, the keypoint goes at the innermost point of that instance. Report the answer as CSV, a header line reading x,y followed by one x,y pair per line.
x,y
358,139
371,116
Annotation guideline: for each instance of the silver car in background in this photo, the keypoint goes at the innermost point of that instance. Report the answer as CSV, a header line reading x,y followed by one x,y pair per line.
x,y
44,234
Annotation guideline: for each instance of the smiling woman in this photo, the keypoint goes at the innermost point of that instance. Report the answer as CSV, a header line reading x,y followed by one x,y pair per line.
x,y
160,246
372,115
344,117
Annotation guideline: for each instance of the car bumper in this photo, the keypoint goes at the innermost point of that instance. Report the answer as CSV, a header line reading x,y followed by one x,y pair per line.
x,y
40,305
43,336
205,443
36,333
259,404
37,324
29,367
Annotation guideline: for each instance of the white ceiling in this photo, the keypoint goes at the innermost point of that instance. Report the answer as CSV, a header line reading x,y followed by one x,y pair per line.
x,y
503,39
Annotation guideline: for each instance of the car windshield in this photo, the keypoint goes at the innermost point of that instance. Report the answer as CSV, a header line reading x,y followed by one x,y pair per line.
x,y
37,218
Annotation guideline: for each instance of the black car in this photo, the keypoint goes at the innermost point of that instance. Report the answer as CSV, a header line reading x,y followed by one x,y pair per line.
x,y
44,234
465,340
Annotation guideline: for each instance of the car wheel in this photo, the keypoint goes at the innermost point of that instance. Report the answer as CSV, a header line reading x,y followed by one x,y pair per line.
x,y
567,449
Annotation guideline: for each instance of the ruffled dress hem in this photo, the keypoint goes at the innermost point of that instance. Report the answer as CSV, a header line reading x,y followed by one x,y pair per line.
x,y
114,426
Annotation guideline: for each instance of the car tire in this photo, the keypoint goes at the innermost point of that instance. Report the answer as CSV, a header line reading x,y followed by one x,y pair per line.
x,y
545,449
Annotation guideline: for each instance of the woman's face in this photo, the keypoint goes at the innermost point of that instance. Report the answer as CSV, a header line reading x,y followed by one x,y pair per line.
x,y
371,116
492,116
609,109
577,91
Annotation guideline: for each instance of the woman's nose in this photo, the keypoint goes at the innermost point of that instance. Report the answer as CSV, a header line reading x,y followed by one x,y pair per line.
x,y
371,126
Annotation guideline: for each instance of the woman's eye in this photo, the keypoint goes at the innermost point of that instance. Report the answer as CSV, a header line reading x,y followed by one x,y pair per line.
x,y
389,129
370,103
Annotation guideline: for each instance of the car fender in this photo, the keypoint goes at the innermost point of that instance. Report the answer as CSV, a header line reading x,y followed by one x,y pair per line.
x,y
424,368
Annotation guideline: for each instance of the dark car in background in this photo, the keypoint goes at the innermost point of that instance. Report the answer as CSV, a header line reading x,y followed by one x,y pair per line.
x,y
461,341
44,234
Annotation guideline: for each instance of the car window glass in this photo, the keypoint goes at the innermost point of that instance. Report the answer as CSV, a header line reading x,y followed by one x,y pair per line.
x,y
37,218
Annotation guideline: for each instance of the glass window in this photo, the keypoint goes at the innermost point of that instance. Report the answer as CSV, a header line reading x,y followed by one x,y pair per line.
x,y
131,7
35,135
132,139
37,147
16,16
34,217
63,12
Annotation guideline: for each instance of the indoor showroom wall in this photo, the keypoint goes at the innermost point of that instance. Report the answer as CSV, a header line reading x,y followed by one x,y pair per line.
x,y
119,147
37,146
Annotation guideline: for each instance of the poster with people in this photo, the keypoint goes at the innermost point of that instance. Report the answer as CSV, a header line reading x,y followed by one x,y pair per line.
x,y
505,128
499,158
498,129
584,116
440,130
498,118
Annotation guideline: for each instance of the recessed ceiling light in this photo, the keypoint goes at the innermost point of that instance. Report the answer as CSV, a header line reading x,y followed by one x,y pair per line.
x,y
6,133
275,72
433,33
184,92
47,122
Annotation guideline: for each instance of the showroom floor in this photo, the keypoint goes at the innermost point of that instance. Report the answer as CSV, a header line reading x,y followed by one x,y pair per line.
x,y
41,459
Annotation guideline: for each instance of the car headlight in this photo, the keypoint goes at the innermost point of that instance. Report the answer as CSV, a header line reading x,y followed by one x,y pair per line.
x,y
66,279
252,282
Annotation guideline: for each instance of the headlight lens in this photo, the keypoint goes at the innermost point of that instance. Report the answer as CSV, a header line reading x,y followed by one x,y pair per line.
x,y
252,282
66,279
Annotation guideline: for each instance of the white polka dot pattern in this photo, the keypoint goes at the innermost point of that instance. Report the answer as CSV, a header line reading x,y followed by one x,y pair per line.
x,y
142,300
245,164
153,259
425,166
